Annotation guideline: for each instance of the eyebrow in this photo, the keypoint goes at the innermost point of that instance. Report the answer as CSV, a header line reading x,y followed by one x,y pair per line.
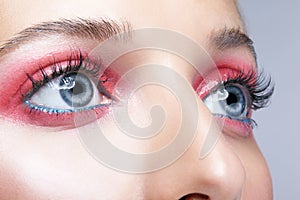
x,y
83,28
232,38
102,29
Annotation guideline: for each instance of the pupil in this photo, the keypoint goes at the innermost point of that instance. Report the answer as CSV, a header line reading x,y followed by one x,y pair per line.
x,y
231,99
77,89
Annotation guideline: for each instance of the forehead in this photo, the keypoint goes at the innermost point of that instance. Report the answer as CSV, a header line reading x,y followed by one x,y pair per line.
x,y
194,18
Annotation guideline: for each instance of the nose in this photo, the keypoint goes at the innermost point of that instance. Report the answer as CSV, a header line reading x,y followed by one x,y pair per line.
x,y
217,176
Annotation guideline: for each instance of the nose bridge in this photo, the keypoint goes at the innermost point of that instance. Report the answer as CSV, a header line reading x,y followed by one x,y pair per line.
x,y
219,175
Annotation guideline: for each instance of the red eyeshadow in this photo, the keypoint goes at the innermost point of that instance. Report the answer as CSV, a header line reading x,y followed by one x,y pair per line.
x,y
15,86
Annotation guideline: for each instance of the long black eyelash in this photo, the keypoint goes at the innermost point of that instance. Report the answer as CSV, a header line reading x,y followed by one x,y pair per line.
x,y
76,62
259,85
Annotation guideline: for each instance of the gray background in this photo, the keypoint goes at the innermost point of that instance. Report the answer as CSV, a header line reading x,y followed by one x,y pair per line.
x,y
275,28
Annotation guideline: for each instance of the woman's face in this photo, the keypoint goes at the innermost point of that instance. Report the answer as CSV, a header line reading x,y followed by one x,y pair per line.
x,y
43,154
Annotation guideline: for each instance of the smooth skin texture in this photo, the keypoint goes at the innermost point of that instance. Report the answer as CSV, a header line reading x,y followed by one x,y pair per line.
x,y
40,164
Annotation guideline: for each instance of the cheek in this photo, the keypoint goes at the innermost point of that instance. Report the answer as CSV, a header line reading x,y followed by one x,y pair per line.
x,y
54,166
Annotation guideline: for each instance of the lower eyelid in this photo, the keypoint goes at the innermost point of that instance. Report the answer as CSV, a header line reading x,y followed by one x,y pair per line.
x,y
235,127
67,120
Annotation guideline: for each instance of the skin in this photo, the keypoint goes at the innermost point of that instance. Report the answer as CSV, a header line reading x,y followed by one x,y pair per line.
x,y
38,163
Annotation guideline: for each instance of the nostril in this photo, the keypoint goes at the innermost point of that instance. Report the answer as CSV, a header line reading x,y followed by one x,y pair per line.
x,y
195,196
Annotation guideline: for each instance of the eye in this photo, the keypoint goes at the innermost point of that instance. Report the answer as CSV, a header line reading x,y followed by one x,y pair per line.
x,y
235,97
71,92
68,91
231,101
